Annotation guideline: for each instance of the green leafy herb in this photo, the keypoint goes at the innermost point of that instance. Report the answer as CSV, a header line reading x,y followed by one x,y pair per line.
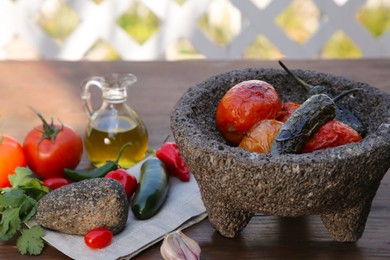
x,y
17,206
30,242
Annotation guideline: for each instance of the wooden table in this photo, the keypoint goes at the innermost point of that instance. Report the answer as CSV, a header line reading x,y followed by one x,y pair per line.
x,y
52,87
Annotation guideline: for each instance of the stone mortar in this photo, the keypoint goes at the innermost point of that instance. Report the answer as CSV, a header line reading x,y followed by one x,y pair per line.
x,y
338,184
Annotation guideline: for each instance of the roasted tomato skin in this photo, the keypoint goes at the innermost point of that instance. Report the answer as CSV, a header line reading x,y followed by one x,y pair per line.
x,y
243,105
260,136
331,134
286,110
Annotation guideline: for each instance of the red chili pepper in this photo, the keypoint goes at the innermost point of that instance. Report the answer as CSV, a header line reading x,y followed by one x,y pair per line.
x,y
170,155
128,181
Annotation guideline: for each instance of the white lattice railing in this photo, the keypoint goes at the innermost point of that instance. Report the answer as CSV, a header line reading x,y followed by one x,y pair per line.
x,y
98,21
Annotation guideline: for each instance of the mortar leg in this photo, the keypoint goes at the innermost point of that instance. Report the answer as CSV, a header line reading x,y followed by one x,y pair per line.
x,y
347,225
226,220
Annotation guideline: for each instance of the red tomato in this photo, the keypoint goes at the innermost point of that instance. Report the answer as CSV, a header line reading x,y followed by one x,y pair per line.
x,y
11,156
55,182
128,181
244,105
286,111
331,134
260,136
98,238
49,149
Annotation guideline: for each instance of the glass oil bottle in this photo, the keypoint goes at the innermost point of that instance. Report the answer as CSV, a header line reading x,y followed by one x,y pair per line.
x,y
114,123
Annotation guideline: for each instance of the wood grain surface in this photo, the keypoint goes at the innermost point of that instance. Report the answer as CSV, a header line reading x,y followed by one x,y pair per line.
x,y
52,87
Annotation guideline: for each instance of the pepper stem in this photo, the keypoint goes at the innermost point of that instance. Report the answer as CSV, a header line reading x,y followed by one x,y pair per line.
x,y
151,152
306,86
344,93
122,150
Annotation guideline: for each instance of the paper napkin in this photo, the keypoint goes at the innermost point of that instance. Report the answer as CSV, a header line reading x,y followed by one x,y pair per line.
x,y
182,208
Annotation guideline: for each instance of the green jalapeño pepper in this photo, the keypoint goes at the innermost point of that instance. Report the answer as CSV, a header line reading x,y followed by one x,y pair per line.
x,y
152,189
342,113
99,172
304,122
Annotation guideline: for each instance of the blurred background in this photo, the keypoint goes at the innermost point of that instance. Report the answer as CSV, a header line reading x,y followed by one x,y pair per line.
x,y
194,29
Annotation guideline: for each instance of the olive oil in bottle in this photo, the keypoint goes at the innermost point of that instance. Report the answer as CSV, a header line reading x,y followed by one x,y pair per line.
x,y
104,144
113,124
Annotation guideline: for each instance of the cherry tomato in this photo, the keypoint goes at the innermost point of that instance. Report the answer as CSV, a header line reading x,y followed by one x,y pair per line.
x,y
244,105
11,156
55,182
98,238
49,149
128,181
331,134
260,136
286,111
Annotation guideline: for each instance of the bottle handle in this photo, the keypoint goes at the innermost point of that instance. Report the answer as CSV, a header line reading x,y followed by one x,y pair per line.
x,y
86,94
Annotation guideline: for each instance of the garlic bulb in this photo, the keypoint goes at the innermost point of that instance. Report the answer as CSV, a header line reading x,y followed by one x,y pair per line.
x,y
177,246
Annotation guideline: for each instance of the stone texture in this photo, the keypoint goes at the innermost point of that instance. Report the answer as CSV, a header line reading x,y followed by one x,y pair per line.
x,y
338,183
82,206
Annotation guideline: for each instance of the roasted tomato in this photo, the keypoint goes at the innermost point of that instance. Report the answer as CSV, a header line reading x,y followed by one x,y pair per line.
x,y
244,105
260,136
331,134
98,238
11,156
286,111
49,149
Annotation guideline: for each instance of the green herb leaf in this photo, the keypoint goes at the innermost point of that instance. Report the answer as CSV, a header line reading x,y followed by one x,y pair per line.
x,y
35,189
10,223
12,198
20,178
17,206
31,242
27,209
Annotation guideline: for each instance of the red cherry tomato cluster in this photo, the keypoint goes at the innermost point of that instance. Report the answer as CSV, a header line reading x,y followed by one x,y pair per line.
x,y
250,115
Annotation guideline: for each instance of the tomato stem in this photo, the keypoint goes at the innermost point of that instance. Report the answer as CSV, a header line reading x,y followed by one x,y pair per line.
x,y
49,130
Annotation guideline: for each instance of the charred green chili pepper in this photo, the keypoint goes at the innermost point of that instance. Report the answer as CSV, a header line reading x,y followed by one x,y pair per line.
x,y
342,113
99,172
304,122
152,189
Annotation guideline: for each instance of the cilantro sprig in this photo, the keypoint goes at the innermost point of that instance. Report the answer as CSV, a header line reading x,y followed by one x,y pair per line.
x,y
17,207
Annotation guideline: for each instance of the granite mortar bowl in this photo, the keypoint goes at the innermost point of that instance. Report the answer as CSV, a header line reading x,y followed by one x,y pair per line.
x,y
338,184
